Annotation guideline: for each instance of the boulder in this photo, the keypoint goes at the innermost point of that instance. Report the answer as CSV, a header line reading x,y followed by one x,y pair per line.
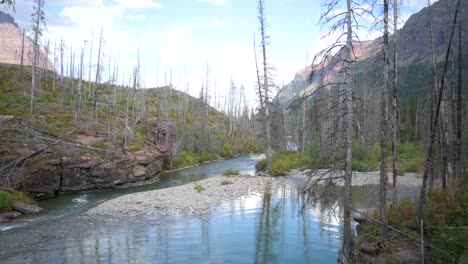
x,y
26,208
143,160
161,148
10,215
362,220
368,248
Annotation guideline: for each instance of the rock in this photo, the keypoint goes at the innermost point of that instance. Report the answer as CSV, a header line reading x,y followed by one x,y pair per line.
x,y
10,215
41,183
84,158
26,208
368,248
362,220
161,148
406,256
139,171
143,160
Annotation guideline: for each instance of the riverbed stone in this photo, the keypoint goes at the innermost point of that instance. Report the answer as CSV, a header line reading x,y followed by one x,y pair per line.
x,y
26,208
10,215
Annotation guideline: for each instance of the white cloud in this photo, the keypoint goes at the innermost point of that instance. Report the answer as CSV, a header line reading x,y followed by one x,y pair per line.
x,y
77,3
138,4
214,2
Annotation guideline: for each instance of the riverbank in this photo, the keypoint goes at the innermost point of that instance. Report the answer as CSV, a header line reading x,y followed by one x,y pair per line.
x,y
196,198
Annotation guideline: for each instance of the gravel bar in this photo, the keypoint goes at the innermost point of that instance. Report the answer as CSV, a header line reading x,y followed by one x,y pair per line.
x,y
185,198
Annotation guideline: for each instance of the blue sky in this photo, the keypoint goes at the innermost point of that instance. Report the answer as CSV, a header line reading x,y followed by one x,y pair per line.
x,y
185,35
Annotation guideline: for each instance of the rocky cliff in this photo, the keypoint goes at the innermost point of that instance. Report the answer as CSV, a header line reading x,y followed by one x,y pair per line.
x,y
11,43
43,164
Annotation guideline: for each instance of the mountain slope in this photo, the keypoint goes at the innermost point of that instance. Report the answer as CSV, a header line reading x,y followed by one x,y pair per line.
x,y
11,38
414,55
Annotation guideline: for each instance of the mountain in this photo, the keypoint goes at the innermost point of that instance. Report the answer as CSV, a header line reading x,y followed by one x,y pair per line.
x,y
414,55
11,38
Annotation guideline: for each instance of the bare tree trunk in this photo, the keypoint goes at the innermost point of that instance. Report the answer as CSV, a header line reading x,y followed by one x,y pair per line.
x,y
80,79
97,82
22,65
347,232
395,101
90,65
265,85
458,144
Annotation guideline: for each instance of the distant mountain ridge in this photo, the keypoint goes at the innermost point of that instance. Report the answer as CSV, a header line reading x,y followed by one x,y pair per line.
x,y
11,38
414,52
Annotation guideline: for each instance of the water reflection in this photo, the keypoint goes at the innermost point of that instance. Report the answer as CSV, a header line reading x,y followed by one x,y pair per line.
x,y
266,227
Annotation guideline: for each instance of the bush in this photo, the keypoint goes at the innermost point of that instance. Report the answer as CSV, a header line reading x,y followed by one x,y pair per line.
x,y
261,165
285,161
226,182
227,151
198,187
135,148
5,201
230,172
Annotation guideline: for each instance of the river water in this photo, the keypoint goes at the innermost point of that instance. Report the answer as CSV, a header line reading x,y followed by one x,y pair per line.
x,y
268,227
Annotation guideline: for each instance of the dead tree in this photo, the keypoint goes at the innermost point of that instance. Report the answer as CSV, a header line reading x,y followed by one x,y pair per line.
x,y
38,24
266,86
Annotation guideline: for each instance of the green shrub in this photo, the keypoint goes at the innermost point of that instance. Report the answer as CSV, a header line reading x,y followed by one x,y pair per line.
x,y
261,165
100,145
230,172
403,214
135,148
226,182
198,187
5,201
227,151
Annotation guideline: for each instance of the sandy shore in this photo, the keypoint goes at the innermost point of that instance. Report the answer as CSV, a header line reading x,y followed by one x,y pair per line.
x,y
359,178
184,198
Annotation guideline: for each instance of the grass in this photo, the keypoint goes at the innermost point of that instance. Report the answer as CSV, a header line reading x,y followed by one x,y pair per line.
x,y
8,197
445,220
226,182
231,172
284,161
198,187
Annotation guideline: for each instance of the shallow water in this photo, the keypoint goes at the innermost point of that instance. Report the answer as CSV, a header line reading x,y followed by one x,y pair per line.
x,y
265,227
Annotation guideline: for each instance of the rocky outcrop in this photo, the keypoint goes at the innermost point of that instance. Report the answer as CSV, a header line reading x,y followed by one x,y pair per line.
x,y
67,175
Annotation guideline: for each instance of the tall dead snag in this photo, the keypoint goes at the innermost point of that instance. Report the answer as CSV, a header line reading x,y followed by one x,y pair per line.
x,y
347,233
97,80
428,165
22,65
266,88
38,22
384,130
80,81
458,135
395,101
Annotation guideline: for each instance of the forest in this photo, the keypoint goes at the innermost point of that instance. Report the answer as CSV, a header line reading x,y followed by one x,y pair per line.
x,y
73,121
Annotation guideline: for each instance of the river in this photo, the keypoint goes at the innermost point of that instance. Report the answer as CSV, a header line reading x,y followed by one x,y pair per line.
x,y
267,228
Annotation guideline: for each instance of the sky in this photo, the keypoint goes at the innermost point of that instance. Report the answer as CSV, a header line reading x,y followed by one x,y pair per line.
x,y
186,37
